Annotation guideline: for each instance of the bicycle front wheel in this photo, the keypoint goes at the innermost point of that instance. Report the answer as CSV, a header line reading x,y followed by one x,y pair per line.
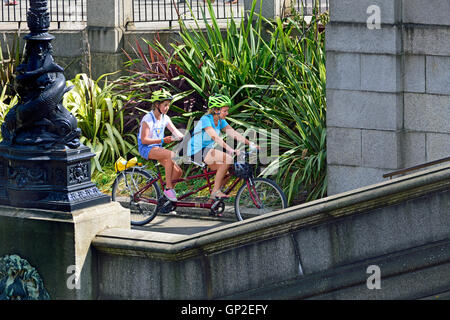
x,y
131,190
257,197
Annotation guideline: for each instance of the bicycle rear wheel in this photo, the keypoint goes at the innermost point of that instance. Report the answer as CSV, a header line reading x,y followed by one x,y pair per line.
x,y
124,189
263,197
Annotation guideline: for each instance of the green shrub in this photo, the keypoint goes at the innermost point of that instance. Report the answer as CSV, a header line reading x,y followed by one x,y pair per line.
x,y
277,83
6,103
275,73
100,118
9,63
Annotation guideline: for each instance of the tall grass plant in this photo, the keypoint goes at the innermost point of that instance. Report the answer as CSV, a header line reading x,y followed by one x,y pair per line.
x,y
276,82
98,110
274,71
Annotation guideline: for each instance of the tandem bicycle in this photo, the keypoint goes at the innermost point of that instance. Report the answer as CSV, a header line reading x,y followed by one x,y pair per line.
x,y
140,189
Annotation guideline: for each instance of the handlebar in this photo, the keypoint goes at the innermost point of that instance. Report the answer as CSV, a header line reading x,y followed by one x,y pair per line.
x,y
244,156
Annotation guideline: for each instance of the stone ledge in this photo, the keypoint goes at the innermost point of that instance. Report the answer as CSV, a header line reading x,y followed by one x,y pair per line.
x,y
278,223
53,241
38,214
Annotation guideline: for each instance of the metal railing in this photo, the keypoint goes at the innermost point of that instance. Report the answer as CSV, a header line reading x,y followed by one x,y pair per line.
x,y
60,10
168,10
417,167
307,6
145,10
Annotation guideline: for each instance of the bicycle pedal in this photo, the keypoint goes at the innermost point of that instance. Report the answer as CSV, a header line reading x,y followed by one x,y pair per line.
x,y
217,208
165,205
165,210
216,203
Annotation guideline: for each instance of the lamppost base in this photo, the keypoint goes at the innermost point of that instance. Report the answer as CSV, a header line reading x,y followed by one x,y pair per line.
x,y
32,177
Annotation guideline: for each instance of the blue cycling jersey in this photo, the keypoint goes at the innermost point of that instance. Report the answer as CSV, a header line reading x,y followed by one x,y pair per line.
x,y
200,139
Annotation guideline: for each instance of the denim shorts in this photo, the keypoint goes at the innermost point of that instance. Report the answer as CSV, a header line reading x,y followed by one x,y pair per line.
x,y
145,149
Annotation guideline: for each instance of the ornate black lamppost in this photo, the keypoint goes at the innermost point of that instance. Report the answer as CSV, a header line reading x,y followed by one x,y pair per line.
x,y
42,163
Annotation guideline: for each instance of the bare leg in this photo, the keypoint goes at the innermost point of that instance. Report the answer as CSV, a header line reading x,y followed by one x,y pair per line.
x,y
164,157
177,172
220,161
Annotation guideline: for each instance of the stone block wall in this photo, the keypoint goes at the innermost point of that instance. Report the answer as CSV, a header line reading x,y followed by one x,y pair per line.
x,y
388,88
317,250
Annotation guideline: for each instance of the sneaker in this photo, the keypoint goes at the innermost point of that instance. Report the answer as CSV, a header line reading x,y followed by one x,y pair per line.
x,y
170,194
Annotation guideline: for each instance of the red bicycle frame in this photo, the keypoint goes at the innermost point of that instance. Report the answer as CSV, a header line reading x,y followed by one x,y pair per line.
x,y
253,193
205,205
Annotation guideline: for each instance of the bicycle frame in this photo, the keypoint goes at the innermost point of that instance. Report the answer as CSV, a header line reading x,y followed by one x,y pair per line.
x,y
188,204
204,205
253,193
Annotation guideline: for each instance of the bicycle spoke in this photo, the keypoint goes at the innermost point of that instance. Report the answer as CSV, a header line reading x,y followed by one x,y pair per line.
x,y
257,198
130,190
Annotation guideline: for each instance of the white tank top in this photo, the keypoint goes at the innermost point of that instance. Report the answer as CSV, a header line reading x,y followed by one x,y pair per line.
x,y
156,126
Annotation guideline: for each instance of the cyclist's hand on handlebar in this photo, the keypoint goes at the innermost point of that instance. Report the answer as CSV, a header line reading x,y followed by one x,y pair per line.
x,y
168,139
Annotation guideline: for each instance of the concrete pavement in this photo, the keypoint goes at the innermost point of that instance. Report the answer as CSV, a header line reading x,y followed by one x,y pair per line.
x,y
188,221
183,224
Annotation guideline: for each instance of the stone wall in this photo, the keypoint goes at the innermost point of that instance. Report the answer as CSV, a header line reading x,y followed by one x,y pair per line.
x,y
388,88
58,244
321,249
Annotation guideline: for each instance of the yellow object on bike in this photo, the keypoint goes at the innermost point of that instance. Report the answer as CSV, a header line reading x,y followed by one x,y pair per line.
x,y
122,164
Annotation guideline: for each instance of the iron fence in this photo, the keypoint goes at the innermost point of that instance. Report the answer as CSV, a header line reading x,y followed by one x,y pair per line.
x,y
307,6
168,10
145,10
60,10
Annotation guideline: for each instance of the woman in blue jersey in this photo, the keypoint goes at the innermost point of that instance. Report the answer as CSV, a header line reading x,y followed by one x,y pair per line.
x,y
206,133
151,139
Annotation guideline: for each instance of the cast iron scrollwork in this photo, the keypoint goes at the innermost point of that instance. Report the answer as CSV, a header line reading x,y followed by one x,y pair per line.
x,y
23,176
78,173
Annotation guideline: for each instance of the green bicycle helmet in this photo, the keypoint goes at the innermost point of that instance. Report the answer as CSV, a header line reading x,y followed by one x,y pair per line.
x,y
218,101
161,95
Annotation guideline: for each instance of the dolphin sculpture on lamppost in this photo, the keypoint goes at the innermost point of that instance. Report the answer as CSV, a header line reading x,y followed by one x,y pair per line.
x,y
40,119
42,162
